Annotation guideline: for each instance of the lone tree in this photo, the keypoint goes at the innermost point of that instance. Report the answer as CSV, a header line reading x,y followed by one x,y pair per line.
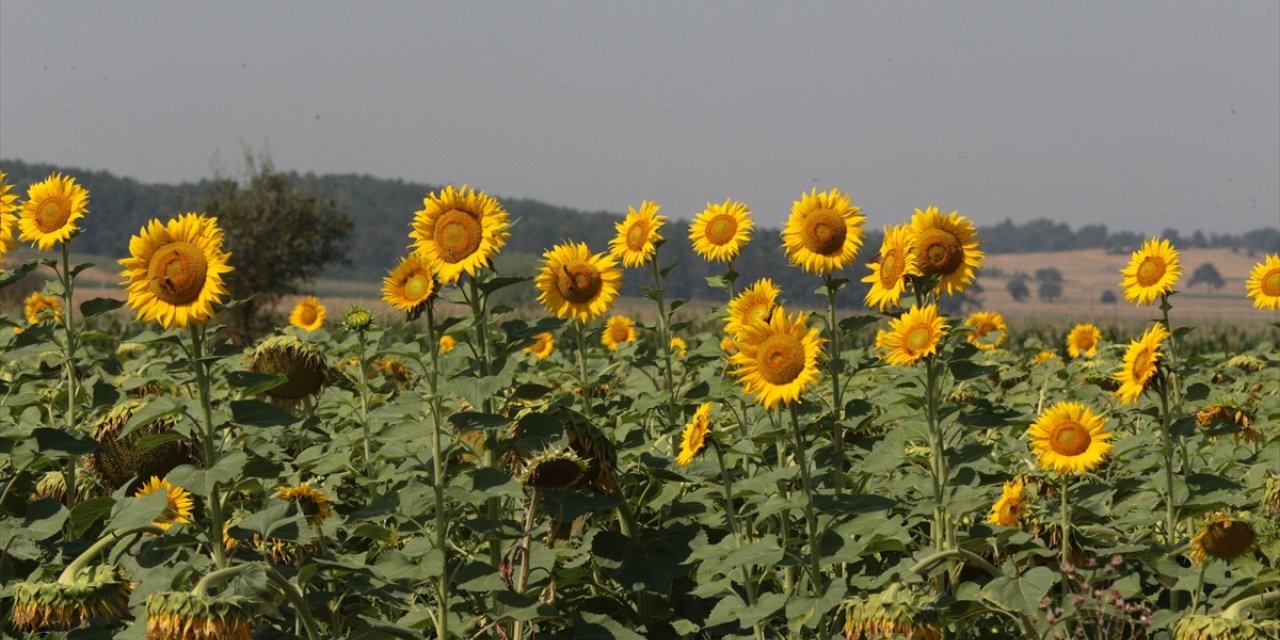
x,y
1108,297
1208,275
279,236
1049,290
1017,287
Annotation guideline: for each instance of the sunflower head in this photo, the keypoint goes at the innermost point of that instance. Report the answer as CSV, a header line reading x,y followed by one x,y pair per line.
x,y
777,358
1043,357
896,612
178,505
988,330
618,330
755,303
637,238
447,343
1264,283
314,504
1008,510
297,361
553,469
544,343
694,439
824,232
182,615
913,336
51,210
121,460
1140,362
409,284
946,247
174,270
890,270
721,230
1068,437
679,347
459,231
1207,626
357,318
574,283
1082,341
39,307
8,222
95,596
1151,273
1223,537
308,314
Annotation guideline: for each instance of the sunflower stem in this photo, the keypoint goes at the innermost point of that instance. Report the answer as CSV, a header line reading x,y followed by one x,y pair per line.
x,y
479,313
732,519
217,577
438,462
815,578
937,456
294,595
837,409
81,561
1065,524
581,335
364,404
664,341
69,365
210,449
1237,608
522,578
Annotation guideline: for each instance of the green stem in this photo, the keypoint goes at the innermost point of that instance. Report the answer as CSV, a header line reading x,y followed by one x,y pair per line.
x,y
815,579
210,447
438,462
937,457
69,365
218,577
1065,523
1237,608
295,596
522,578
581,335
81,561
1195,595
664,343
480,320
833,363
958,554
1171,509
364,405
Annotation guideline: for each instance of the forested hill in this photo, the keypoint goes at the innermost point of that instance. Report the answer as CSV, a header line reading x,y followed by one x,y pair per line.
x,y
382,209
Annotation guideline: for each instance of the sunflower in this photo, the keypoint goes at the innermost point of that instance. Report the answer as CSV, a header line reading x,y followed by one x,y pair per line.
x,y
178,502
989,330
756,302
897,612
308,315
1083,340
777,358
174,271
183,615
96,596
1008,510
553,469
357,318
728,344
576,284
824,231
1069,437
313,503
947,247
914,335
720,231
1264,283
1223,537
409,284
695,434
544,344
1152,272
459,230
679,347
637,235
447,343
299,362
40,307
618,330
1140,364
8,222
897,260
1043,357
52,208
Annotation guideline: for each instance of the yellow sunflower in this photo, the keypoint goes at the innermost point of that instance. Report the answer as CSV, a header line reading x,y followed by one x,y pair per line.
x,y
695,434
1152,272
1068,437
947,247
179,503
1008,510
618,330
728,345
174,271
637,235
1083,340
314,504
1264,283
679,347
8,222
544,344
1043,357
777,358
888,277
52,208
824,231
756,302
1223,537
459,230
1140,364
989,330
40,307
576,284
914,335
409,284
308,314
721,230
447,343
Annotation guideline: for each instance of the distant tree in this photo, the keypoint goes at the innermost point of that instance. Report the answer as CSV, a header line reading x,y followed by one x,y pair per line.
x,y
279,236
1208,275
1017,287
1108,297
1049,290
1049,274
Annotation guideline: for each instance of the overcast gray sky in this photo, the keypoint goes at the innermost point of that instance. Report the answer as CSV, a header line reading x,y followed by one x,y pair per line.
x,y
1139,115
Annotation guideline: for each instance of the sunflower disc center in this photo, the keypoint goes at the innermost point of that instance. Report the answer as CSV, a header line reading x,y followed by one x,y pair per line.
x,y
1141,363
721,229
918,338
940,252
417,287
52,213
1069,439
579,282
637,235
554,473
1085,342
891,268
1271,283
619,333
177,272
824,232
309,315
1150,271
1227,540
780,358
457,236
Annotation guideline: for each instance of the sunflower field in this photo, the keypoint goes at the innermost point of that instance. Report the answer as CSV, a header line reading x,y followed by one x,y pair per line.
x,y
456,468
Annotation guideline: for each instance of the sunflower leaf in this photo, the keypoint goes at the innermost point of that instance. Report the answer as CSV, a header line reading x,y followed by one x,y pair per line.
x,y
134,513
13,275
98,306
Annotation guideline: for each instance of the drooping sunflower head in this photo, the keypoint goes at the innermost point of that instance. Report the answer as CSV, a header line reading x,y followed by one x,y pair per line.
x,y
314,504
756,302
721,230
459,231
1068,437
695,434
617,330
679,347
357,318
1224,537
178,502
174,270
574,283
183,615
95,596
777,358
393,370
409,284
447,343
1008,510
1083,340
297,361
897,260
39,308
1209,626
897,612
544,343
121,460
1151,273
8,222
824,232
638,234
51,210
1264,283
1140,362
308,314
988,329
553,469
946,247
914,335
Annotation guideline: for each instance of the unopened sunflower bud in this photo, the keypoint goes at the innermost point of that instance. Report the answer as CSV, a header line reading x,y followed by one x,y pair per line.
x,y
357,318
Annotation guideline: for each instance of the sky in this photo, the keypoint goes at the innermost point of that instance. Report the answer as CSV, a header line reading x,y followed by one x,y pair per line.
x,y
1137,115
